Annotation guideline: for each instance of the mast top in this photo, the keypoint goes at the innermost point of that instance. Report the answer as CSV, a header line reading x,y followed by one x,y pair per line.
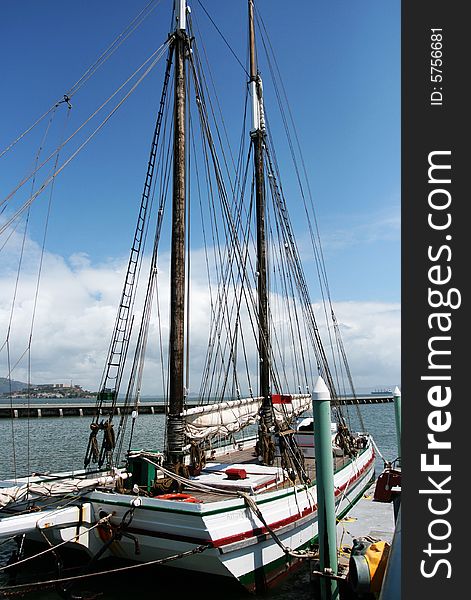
x,y
258,119
253,56
180,15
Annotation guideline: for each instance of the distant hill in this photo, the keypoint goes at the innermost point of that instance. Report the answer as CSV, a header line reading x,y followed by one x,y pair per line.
x,y
15,386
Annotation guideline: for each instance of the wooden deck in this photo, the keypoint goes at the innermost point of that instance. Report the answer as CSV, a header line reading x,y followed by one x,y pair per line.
x,y
246,458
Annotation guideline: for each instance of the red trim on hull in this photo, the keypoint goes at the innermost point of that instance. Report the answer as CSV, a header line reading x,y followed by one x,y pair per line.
x,y
283,522
252,532
263,530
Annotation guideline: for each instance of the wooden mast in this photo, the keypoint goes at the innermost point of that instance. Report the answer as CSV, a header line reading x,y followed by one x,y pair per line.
x,y
175,432
258,134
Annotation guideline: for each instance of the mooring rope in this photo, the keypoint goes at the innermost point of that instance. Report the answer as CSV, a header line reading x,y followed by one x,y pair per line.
x,y
199,487
251,504
386,462
37,585
73,539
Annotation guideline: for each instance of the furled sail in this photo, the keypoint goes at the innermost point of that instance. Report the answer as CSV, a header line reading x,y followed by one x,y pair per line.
x,y
229,417
287,407
42,487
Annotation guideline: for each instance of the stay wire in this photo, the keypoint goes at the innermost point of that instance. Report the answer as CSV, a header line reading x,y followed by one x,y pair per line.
x,y
38,281
132,279
289,301
232,226
164,190
221,285
239,254
163,166
302,281
207,140
202,78
202,88
119,40
57,171
23,242
13,309
303,290
153,59
188,256
111,49
224,39
12,415
317,246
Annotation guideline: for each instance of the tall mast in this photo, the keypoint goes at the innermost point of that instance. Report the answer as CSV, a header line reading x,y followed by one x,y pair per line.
x,y
258,134
175,436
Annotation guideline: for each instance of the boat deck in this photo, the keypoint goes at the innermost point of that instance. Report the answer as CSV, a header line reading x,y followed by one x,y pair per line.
x,y
259,477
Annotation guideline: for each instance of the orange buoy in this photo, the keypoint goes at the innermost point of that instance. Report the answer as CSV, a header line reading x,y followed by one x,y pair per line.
x,y
179,497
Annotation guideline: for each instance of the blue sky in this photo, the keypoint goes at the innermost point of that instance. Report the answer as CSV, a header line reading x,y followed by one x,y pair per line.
x,y
340,63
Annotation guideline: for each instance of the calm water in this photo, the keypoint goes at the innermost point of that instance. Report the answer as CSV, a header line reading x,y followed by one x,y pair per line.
x,y
59,444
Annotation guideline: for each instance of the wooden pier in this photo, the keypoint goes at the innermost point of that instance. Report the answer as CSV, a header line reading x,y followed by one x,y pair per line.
x,y
367,399
23,409
71,409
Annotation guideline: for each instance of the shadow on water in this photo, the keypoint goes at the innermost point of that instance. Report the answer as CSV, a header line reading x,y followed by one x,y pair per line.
x,y
152,581
169,582
379,420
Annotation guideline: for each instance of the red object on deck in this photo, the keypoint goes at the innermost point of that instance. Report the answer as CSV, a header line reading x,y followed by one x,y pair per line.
x,y
236,473
388,479
281,399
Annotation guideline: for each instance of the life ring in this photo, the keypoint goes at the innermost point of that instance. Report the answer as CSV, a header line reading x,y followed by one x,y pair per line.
x,y
180,497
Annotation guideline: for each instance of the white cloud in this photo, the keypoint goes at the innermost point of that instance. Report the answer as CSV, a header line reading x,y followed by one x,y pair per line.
x,y
76,311
371,332
362,229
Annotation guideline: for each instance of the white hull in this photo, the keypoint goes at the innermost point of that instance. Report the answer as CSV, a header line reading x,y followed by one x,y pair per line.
x,y
239,544
233,541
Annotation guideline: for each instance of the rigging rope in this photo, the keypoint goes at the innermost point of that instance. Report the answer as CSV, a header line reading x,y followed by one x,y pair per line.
x,y
224,274
248,500
53,548
35,301
115,363
153,59
315,236
38,585
224,39
118,41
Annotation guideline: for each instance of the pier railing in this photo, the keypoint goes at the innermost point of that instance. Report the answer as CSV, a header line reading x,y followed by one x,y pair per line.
x,y
23,409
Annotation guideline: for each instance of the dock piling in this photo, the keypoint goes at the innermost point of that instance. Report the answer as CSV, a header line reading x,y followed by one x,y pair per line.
x,y
325,489
397,412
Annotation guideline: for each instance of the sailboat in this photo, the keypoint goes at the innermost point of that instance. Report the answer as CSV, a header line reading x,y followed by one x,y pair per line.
x,y
213,499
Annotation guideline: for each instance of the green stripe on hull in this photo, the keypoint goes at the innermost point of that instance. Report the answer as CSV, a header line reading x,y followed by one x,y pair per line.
x,y
250,580
207,513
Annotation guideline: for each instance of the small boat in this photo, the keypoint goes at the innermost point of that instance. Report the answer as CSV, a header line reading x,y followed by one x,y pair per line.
x,y
304,437
211,499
